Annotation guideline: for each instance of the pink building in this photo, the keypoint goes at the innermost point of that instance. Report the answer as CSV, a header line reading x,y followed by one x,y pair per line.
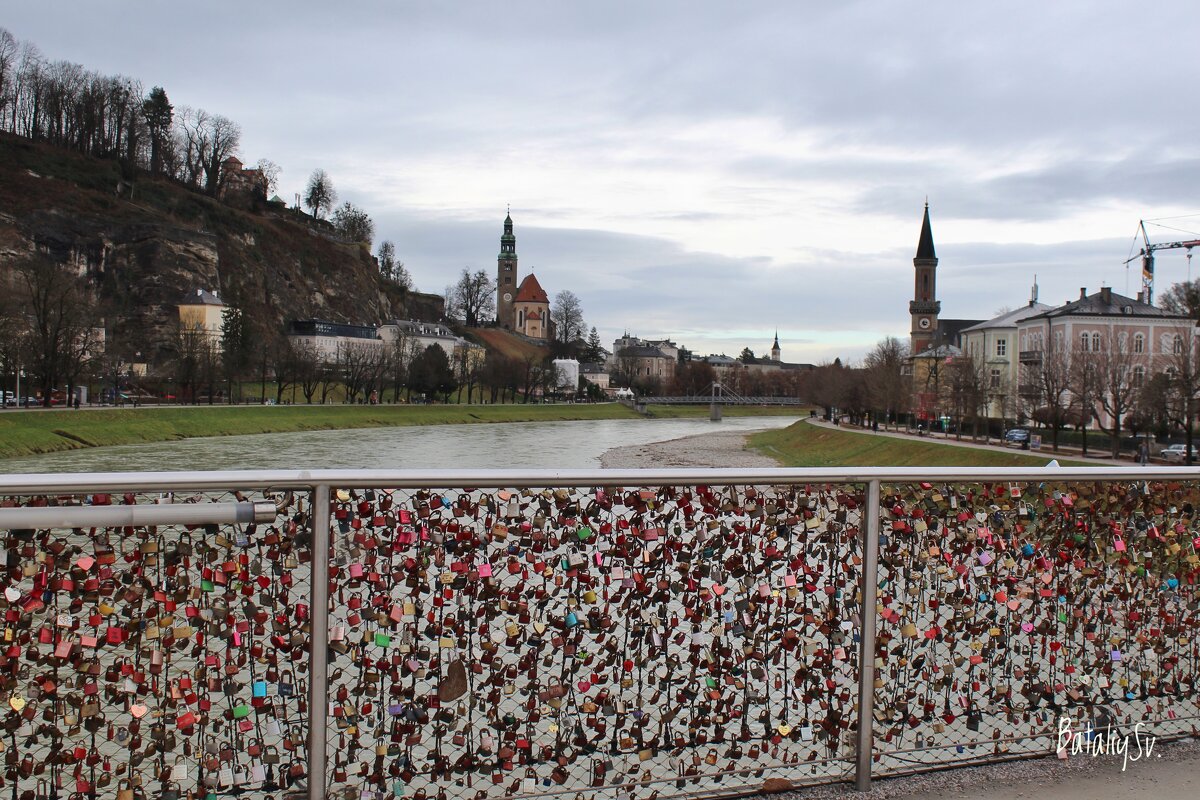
x,y
1122,341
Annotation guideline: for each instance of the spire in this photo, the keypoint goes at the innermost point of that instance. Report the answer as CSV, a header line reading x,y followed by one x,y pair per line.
x,y
508,242
925,246
776,345
1034,294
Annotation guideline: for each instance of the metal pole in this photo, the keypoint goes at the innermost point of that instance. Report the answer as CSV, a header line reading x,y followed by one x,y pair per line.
x,y
120,516
318,656
866,657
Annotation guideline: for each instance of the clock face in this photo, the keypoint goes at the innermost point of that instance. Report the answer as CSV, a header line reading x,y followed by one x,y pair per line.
x,y
508,297
924,322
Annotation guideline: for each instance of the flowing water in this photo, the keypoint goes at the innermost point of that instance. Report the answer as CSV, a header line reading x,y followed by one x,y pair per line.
x,y
539,445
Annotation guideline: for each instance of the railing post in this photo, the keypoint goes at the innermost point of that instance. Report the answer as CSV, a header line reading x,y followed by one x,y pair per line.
x,y
866,653
318,657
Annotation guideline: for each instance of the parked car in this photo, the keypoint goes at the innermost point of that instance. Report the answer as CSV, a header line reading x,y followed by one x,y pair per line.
x,y
1018,436
1178,452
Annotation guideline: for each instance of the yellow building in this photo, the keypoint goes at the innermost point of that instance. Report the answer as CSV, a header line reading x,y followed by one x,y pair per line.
x,y
202,310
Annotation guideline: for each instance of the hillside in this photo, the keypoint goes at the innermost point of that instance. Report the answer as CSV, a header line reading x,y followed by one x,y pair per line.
x,y
508,344
145,249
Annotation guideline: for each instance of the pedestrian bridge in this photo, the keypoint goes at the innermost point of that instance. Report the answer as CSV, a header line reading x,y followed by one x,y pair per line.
x,y
718,392
589,634
728,399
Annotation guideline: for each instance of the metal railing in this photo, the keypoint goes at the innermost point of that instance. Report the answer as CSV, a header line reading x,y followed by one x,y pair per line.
x,y
611,633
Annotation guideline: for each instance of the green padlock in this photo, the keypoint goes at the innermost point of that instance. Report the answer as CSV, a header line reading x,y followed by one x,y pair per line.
x,y
382,640
240,711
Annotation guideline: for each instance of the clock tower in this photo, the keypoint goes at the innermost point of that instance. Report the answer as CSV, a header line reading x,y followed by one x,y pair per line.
x,y
924,307
506,275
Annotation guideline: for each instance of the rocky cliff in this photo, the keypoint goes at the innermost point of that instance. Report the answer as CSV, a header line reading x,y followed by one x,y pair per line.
x,y
146,243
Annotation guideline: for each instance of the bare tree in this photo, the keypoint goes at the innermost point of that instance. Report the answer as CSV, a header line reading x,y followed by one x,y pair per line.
x,y
1111,382
308,368
60,321
472,299
567,313
354,224
964,386
361,366
1182,369
1048,390
270,172
320,195
888,388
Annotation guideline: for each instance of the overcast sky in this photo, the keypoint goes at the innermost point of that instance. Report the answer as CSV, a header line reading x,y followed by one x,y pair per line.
x,y
708,171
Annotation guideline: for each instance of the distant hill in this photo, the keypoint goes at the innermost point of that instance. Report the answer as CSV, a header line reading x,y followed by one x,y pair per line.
x,y
158,240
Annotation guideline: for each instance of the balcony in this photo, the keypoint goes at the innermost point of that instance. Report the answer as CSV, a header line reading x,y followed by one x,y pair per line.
x,y
557,633
1030,357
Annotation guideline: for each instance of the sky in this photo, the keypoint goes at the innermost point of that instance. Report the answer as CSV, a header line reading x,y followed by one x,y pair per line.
x,y
706,170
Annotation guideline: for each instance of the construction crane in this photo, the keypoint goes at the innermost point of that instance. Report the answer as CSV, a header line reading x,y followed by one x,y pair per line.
x,y
1147,257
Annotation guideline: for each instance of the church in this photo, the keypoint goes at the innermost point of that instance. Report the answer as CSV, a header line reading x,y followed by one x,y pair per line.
x,y
523,307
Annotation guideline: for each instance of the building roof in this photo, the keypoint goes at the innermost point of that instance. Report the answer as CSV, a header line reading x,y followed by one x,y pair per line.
x,y
591,368
1009,319
1106,303
925,245
201,297
530,291
641,352
949,330
941,351
415,328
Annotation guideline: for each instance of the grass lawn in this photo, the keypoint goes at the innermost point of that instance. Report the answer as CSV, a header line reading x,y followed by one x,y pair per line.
x,y
32,432
805,445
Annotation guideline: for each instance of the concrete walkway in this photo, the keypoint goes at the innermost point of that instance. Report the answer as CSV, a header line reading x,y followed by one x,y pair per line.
x,y
1172,773
937,438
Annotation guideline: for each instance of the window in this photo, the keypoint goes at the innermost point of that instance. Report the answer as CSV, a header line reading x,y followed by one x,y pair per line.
x,y
1096,342
1002,347
1083,341
1122,341
1177,344
994,379
1139,343
1139,375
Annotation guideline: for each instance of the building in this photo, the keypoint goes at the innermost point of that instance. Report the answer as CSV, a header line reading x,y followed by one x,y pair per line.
x,y
595,374
202,310
993,346
242,185
928,330
567,372
415,337
1109,330
524,306
331,340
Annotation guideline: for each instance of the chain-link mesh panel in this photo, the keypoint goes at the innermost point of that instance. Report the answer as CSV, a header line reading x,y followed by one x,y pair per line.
x,y
163,661
1013,615
610,641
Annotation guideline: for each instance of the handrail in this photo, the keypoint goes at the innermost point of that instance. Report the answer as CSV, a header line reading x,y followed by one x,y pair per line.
x,y
350,478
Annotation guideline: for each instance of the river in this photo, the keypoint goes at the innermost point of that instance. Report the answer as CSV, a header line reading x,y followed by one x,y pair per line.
x,y
544,445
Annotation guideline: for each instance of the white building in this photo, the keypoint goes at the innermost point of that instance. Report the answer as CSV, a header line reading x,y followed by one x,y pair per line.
x,y
993,346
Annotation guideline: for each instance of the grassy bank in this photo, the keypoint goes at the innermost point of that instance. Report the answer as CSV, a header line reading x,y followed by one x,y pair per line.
x,y
805,445
25,433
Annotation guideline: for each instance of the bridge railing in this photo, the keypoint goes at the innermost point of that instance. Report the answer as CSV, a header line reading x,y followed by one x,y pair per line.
x,y
607,633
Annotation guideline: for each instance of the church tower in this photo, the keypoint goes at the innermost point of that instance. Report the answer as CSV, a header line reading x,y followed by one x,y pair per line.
x,y
775,351
924,307
506,275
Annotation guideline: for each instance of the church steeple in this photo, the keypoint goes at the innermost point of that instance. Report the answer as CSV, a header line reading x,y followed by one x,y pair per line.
x,y
506,274
924,307
775,351
925,245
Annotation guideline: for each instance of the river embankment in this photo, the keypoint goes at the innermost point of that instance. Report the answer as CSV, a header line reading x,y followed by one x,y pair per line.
x,y
34,432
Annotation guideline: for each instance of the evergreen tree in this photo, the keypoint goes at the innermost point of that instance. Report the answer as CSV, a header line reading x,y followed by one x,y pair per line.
x,y
594,351
159,114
